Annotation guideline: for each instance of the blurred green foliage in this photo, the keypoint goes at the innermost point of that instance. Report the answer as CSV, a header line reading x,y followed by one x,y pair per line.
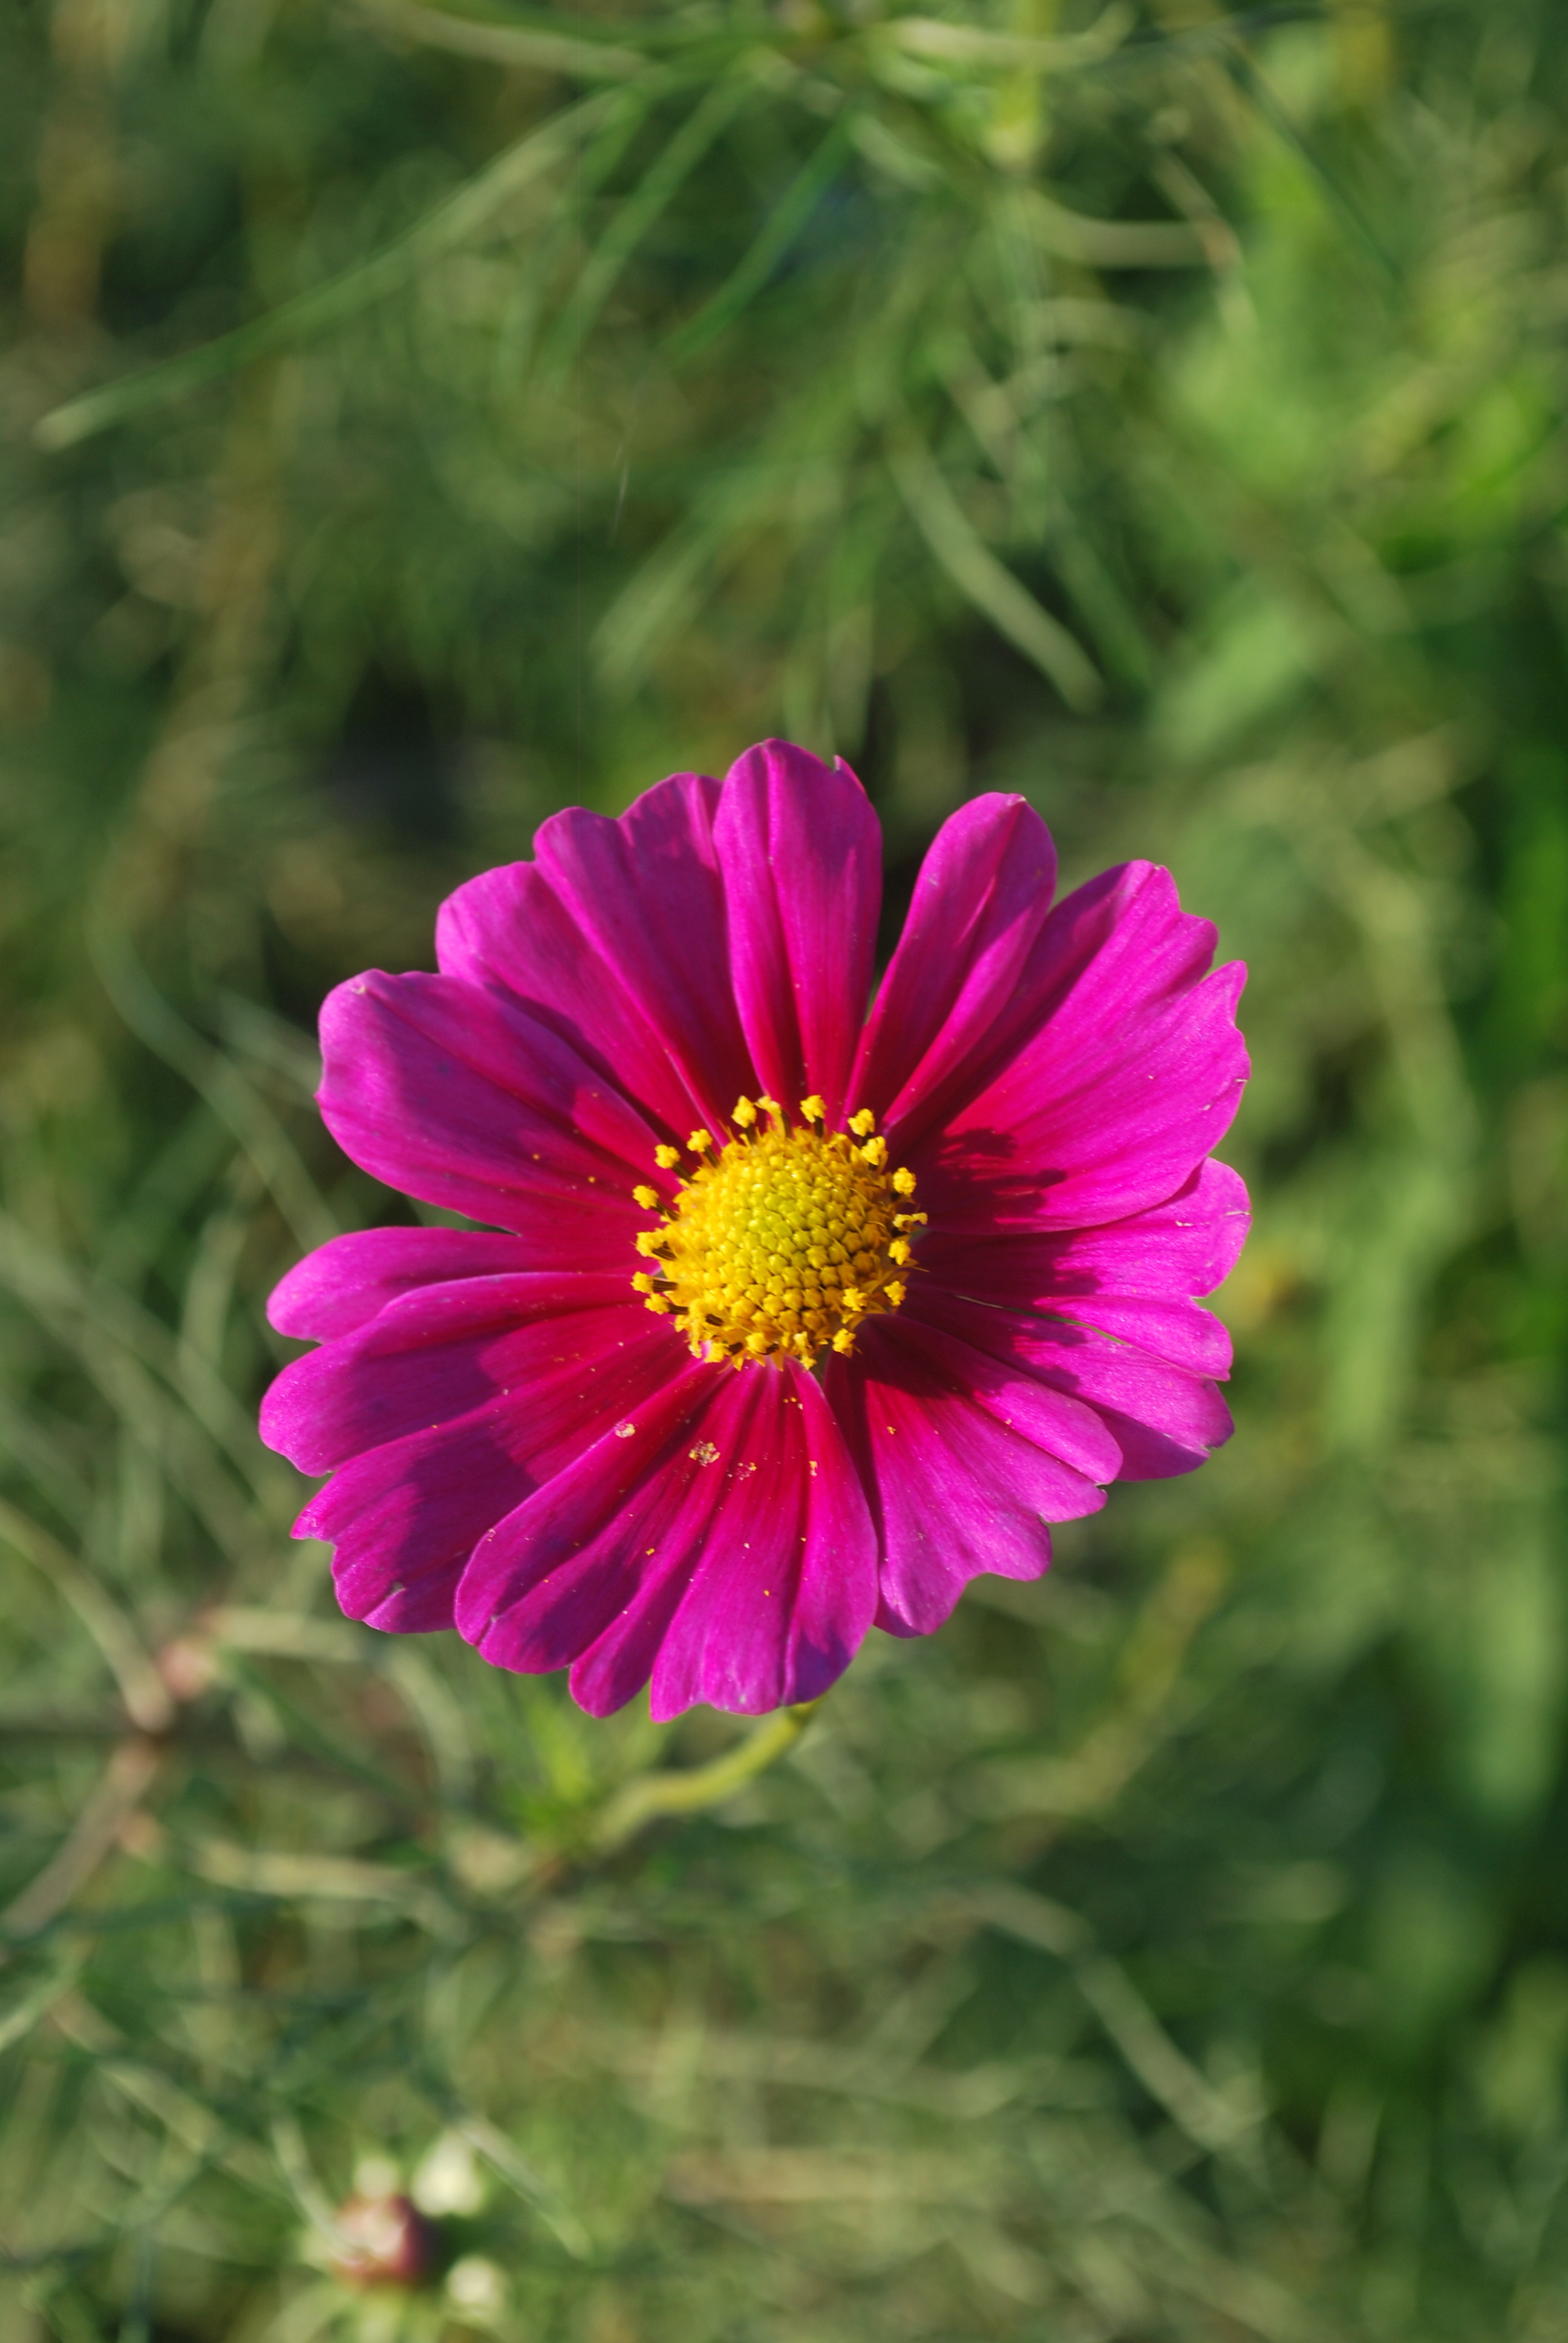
x,y
420,419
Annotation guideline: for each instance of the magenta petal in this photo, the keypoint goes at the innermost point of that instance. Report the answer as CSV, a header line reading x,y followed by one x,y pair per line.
x,y
787,1590
949,1342
422,1606
347,1280
1130,1080
800,853
1164,1420
439,1352
956,1488
1134,1279
722,1542
513,1403
509,931
646,892
405,1518
461,1098
979,904
548,1580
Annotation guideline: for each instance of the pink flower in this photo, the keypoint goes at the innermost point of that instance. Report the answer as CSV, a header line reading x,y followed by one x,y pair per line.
x,y
797,1319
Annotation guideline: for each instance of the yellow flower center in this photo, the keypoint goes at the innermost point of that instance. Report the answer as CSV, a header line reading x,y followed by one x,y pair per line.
x,y
781,1241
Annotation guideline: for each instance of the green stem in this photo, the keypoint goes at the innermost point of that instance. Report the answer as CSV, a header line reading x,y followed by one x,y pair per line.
x,y
688,1792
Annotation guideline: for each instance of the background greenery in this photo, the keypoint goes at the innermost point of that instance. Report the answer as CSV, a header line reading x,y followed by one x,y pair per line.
x,y
1158,411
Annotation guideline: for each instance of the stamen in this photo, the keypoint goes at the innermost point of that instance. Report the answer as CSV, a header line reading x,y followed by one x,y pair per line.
x,y
780,1243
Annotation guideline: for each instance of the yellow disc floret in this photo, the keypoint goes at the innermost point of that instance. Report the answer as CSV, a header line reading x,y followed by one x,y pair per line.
x,y
780,1242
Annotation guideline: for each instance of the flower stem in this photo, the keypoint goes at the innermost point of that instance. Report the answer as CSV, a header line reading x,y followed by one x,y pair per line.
x,y
688,1791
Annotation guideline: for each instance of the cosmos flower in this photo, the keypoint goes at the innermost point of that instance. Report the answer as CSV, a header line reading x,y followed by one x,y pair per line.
x,y
785,1319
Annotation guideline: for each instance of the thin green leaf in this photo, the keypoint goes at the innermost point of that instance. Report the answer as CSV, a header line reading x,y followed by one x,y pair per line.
x,y
784,223
983,580
1247,77
929,37
659,187
524,45
442,230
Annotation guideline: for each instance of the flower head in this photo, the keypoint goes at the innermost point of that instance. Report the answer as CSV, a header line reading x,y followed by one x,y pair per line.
x,y
785,1321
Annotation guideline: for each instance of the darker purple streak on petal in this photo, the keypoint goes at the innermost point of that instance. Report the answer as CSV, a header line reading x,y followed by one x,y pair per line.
x,y
703,1546
1129,1079
1133,1279
1102,955
447,1411
1164,1420
463,1099
346,1282
439,1352
423,1503
944,1345
801,856
1047,1122
646,893
954,1490
979,902
783,1599
549,1579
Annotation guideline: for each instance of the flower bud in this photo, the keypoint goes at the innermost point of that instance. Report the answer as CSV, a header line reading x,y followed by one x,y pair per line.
x,y
383,2240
